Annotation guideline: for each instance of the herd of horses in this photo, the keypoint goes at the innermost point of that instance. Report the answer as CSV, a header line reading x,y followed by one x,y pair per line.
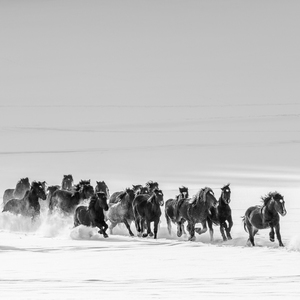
x,y
141,205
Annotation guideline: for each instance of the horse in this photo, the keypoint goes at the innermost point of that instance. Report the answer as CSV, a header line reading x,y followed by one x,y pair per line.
x,y
171,207
221,215
195,210
93,215
122,211
102,187
18,192
265,216
67,183
146,209
29,205
67,201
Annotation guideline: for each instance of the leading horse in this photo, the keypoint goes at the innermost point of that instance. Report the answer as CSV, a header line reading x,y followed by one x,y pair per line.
x,y
29,205
265,216
195,210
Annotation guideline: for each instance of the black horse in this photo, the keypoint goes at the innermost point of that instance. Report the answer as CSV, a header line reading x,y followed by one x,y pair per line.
x,y
67,201
195,210
121,211
146,209
18,192
93,215
221,215
171,207
29,205
67,183
265,216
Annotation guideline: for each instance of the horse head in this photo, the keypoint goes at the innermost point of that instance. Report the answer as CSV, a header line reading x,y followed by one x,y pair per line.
x,y
183,192
39,189
226,192
67,182
102,187
279,203
87,190
158,196
102,200
209,197
22,185
137,189
151,185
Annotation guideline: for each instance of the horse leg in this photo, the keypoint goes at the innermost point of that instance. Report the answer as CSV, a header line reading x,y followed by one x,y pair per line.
x,y
128,227
148,229
191,230
179,228
111,227
155,228
211,230
137,222
222,227
228,230
168,223
102,228
272,234
277,229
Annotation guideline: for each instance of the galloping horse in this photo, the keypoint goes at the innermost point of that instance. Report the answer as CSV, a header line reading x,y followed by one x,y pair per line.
x,y
18,192
265,216
29,205
67,201
67,183
93,215
121,211
221,215
195,210
146,209
171,207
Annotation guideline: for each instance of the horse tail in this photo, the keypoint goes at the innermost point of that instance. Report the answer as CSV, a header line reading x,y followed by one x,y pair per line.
x,y
244,222
168,222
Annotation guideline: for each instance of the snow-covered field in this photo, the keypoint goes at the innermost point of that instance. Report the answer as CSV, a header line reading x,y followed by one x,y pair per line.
x,y
52,260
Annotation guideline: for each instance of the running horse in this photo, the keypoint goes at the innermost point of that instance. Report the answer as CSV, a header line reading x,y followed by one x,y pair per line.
x,y
195,210
29,205
93,215
221,215
265,216
146,209
171,207
121,210
18,192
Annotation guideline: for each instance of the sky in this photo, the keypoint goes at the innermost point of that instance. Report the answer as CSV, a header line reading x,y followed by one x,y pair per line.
x,y
188,93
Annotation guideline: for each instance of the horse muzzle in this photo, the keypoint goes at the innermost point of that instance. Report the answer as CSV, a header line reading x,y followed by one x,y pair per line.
x,y
284,212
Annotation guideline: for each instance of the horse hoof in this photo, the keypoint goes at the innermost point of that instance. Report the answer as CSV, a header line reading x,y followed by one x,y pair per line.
x,y
272,239
192,238
150,234
105,235
179,234
139,234
145,235
229,237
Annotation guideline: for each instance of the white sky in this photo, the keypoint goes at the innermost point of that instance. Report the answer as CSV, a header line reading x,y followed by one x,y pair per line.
x,y
221,79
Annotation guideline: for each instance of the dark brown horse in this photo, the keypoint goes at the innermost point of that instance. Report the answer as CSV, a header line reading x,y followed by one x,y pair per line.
x,y
221,215
93,215
146,209
121,211
18,192
195,210
171,207
265,216
66,201
29,205
67,183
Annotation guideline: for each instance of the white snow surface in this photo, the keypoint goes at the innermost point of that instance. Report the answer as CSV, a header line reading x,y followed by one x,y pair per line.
x,y
49,259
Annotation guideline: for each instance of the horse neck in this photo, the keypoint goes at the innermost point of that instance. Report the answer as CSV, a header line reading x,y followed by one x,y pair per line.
x,y
221,201
270,207
32,196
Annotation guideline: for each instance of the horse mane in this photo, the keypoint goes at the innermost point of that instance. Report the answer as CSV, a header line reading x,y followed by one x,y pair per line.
x,y
85,182
199,196
269,196
226,186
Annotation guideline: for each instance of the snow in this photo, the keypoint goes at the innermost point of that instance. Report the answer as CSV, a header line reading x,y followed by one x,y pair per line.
x,y
52,260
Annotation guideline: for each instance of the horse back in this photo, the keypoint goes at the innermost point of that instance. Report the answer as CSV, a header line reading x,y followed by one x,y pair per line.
x,y
8,195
